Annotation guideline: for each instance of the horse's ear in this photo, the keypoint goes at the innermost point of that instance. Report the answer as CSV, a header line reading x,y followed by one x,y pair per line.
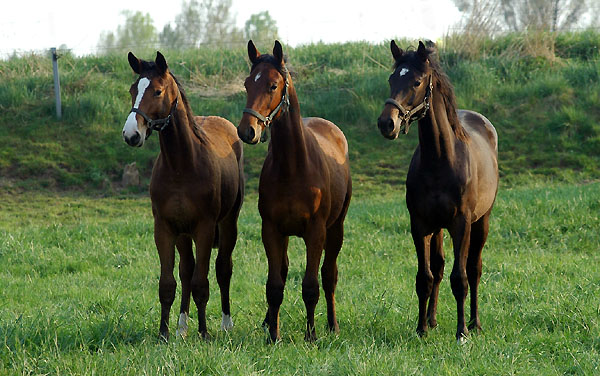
x,y
253,53
135,63
422,51
396,51
278,52
161,63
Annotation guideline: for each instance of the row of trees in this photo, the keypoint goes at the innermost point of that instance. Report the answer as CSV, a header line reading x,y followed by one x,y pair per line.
x,y
495,16
204,22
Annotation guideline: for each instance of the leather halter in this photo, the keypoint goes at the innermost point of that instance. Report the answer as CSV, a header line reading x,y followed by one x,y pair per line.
x,y
157,124
285,100
408,116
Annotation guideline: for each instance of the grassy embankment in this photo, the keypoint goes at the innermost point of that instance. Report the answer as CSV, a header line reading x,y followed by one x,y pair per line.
x,y
546,110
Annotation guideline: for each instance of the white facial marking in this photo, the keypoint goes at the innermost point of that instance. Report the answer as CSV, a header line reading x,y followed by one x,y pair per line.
x,y
403,71
143,84
226,322
257,76
182,329
131,127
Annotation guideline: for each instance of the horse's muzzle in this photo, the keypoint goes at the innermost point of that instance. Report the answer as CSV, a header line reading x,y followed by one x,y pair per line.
x,y
135,140
387,127
248,134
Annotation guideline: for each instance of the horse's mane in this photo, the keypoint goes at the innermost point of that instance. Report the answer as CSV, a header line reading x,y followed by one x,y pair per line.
x,y
440,80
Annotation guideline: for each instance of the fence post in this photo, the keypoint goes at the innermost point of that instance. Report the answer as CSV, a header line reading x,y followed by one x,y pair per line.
x,y
56,83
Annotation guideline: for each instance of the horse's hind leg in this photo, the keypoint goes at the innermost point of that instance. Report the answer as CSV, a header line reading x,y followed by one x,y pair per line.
x,y
479,231
203,237
165,244
437,269
276,250
224,267
315,241
186,269
329,270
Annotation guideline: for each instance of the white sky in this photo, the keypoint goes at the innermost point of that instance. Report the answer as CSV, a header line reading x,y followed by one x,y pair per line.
x,y
27,25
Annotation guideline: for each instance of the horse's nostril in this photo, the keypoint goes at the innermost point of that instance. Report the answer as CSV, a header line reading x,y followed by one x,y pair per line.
x,y
250,134
386,126
135,139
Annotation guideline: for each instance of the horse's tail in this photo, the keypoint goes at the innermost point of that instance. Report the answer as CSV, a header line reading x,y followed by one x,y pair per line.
x,y
216,239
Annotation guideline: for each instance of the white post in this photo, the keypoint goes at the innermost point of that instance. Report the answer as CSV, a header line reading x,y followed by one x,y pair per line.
x,y
56,83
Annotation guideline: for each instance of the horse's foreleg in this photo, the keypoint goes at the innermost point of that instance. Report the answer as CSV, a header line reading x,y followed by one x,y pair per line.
x,y
314,240
424,278
276,250
203,237
479,231
437,269
224,267
186,269
461,235
329,271
165,244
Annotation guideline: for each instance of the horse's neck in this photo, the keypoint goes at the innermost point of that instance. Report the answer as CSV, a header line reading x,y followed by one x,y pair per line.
x,y
177,139
288,143
437,138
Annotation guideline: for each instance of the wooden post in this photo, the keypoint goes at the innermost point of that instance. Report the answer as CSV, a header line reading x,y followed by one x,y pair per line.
x,y
56,83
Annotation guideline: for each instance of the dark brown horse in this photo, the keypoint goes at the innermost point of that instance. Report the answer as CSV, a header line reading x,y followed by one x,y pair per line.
x,y
304,187
197,189
452,179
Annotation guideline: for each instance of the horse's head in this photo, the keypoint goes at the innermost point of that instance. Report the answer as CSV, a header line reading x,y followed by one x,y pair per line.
x,y
266,92
154,97
411,86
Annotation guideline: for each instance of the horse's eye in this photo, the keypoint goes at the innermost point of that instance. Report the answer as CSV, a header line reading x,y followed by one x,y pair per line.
x,y
273,87
157,93
417,83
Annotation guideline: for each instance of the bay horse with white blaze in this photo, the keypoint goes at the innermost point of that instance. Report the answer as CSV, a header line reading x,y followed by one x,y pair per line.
x,y
304,188
452,179
197,190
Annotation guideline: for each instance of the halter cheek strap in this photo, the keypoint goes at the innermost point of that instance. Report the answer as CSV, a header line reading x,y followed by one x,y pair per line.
x,y
285,100
158,124
408,116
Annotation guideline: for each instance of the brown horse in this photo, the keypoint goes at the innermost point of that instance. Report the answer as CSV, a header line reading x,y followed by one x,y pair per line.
x,y
304,187
452,179
197,189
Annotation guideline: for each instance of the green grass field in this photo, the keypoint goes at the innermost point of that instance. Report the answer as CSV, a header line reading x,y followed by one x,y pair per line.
x,y
79,274
80,293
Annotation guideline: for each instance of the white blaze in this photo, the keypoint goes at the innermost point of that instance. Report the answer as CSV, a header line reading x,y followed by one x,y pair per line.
x,y
130,128
403,72
257,76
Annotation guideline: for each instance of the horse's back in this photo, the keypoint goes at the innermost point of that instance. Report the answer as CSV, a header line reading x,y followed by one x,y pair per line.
x,y
484,151
329,137
222,133
477,125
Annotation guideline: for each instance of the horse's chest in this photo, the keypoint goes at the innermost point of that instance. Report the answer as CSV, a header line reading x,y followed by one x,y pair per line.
x,y
436,207
292,212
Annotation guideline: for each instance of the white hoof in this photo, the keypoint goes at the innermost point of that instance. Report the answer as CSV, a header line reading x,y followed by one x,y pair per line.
x,y
226,322
182,326
462,340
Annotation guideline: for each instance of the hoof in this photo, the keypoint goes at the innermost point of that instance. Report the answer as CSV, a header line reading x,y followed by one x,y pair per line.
x,y
421,332
226,322
205,336
163,337
462,339
182,327
475,327
310,337
433,324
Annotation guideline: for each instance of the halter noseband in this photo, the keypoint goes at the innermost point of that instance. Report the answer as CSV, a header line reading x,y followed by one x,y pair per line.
x,y
285,100
158,124
410,116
